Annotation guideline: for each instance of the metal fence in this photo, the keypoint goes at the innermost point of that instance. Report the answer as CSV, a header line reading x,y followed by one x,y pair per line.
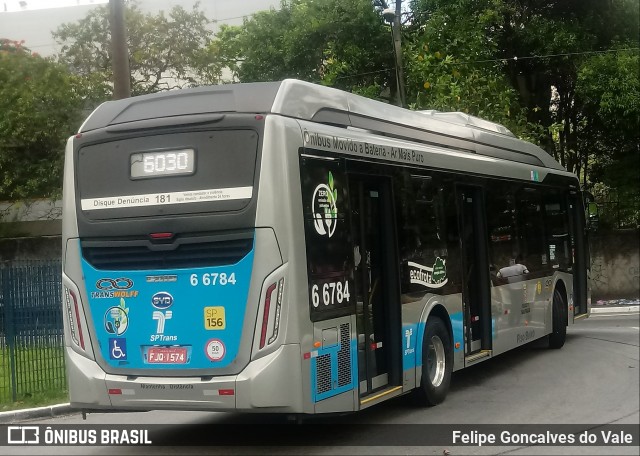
x,y
31,331
619,209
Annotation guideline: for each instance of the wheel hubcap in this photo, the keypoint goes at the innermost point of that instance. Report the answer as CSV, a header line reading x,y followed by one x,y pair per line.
x,y
436,361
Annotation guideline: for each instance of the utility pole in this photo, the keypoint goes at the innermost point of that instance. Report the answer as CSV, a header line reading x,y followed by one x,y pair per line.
x,y
119,51
394,18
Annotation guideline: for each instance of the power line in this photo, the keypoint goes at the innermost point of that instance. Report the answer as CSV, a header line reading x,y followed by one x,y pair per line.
x,y
503,60
235,17
364,74
531,57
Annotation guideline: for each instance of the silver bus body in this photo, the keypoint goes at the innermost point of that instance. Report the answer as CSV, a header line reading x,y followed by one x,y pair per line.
x,y
271,275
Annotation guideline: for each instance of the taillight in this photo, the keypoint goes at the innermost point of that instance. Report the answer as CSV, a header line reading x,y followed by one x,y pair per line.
x,y
276,318
267,312
73,314
157,236
265,315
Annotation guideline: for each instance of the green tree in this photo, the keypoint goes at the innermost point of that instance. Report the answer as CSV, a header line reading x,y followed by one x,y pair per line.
x,y
166,51
451,65
343,43
608,93
39,110
487,51
546,43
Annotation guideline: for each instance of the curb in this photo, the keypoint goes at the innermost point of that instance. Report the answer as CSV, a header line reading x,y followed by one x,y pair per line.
x,y
616,309
39,412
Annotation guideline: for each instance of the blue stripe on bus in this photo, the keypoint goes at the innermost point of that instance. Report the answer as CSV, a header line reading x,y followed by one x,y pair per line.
x,y
411,360
169,318
411,357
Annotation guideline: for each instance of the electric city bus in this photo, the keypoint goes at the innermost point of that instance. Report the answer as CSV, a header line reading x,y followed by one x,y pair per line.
x,y
288,247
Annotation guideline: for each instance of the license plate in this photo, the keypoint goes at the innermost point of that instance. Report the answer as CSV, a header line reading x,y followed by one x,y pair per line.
x,y
167,355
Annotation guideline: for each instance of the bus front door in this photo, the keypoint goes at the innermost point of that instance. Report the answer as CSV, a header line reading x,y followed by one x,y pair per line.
x,y
476,292
377,308
581,261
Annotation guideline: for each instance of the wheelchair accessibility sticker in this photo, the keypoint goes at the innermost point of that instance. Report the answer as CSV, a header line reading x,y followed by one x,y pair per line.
x,y
118,348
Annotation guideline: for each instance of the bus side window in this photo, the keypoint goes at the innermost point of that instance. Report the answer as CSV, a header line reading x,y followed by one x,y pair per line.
x,y
530,223
558,238
452,238
501,225
423,234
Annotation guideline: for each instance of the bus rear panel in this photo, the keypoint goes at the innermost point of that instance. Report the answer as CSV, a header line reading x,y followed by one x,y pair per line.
x,y
167,275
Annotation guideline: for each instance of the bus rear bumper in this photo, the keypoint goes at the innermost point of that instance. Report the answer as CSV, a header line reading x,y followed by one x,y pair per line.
x,y
271,384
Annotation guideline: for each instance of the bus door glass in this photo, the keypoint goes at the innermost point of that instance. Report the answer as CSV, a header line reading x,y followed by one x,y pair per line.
x,y
377,307
476,296
580,254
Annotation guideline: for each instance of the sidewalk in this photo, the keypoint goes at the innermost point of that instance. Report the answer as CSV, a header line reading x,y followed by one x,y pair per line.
x,y
16,416
49,411
615,306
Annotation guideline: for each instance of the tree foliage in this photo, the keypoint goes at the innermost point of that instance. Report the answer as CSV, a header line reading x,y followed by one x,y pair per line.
x,y
166,51
485,51
39,110
529,65
343,43
451,64
561,73
564,33
608,93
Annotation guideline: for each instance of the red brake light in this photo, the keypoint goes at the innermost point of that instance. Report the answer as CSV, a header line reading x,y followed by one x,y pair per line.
x,y
75,305
161,235
265,315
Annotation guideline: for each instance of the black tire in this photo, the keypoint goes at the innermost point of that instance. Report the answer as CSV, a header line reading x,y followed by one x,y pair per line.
x,y
559,321
437,362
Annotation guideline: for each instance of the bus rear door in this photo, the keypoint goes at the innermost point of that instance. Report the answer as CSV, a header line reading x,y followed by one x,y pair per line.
x,y
476,293
377,294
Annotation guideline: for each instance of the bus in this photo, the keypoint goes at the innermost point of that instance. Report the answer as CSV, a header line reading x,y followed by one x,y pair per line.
x,y
286,247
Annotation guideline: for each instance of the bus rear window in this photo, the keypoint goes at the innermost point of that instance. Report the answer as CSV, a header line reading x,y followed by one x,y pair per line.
x,y
165,174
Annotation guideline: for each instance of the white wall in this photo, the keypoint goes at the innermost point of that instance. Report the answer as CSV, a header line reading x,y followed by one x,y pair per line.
x,y
35,26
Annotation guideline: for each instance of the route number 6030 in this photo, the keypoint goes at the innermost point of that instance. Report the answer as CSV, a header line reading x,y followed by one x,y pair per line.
x,y
213,278
330,294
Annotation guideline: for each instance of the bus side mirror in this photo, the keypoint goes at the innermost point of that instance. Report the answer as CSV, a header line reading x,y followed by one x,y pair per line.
x,y
592,216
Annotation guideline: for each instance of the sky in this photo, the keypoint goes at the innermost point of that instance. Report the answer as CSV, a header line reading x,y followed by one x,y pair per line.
x,y
35,21
29,5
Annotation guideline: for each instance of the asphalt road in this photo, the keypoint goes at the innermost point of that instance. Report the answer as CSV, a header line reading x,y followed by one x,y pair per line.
x,y
593,380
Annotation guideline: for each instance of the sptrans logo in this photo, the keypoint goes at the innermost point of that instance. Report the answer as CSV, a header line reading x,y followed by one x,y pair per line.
x,y
162,300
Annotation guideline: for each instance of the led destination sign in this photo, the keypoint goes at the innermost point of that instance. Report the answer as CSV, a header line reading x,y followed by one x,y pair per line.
x,y
162,163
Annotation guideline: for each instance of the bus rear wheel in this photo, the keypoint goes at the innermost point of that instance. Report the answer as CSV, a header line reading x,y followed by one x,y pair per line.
x,y
437,362
559,321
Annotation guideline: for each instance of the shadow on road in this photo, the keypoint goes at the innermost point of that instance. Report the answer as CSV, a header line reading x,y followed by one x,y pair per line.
x,y
363,428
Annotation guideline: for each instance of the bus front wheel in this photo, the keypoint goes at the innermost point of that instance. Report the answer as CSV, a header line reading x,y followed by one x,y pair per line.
x,y
558,322
437,362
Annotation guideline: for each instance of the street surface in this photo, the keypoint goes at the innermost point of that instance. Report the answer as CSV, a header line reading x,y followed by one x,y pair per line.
x,y
592,380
